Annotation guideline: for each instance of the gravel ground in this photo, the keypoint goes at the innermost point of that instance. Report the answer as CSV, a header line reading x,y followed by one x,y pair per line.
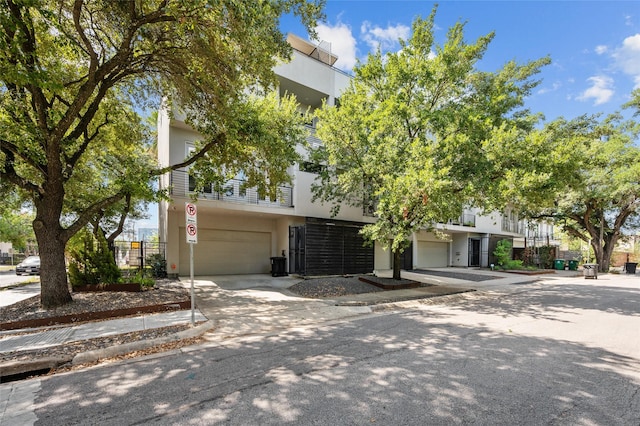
x,y
326,287
166,291
331,287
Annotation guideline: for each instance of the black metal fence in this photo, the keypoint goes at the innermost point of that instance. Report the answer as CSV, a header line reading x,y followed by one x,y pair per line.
x,y
138,254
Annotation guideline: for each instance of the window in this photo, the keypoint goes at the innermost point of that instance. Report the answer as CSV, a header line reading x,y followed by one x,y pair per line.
x,y
190,149
310,167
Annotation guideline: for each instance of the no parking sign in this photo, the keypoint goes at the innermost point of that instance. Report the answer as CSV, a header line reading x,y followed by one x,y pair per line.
x,y
191,220
191,215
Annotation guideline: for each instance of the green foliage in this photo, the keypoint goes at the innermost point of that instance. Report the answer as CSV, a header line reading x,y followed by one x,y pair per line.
x,y
585,178
73,75
503,252
542,256
15,228
138,278
259,144
412,132
513,264
91,261
158,265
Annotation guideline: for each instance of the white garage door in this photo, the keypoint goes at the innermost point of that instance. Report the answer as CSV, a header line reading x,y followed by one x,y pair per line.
x,y
227,252
433,254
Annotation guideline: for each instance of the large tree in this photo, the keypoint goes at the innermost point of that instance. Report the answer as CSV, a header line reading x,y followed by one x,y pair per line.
x,y
74,73
582,174
409,135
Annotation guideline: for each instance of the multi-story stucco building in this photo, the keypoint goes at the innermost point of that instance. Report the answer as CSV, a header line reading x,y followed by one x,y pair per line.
x,y
239,232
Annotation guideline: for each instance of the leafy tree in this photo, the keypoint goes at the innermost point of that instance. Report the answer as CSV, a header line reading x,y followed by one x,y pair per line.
x,y
73,75
503,252
91,261
410,133
585,177
15,228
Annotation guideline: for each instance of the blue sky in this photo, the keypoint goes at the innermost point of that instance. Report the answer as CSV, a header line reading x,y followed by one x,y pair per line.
x,y
594,45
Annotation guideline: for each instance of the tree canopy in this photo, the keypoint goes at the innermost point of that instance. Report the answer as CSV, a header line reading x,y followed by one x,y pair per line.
x,y
584,176
75,74
409,137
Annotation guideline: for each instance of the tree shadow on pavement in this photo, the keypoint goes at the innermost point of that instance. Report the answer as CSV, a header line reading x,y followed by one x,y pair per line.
x,y
416,367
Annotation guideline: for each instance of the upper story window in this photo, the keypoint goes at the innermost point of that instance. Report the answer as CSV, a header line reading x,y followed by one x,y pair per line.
x,y
311,167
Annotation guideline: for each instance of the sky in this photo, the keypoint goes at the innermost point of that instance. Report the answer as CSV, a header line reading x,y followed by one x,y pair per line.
x,y
594,46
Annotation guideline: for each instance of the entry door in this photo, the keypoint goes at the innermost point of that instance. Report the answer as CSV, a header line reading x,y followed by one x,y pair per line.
x,y
474,251
297,250
406,261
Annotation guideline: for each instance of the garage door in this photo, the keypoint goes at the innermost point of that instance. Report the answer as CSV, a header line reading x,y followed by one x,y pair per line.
x,y
227,252
433,254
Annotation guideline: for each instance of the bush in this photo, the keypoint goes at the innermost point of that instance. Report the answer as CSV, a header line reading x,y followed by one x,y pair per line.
x,y
139,278
513,264
158,265
91,261
503,253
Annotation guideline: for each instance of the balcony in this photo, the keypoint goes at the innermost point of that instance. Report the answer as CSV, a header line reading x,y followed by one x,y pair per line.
x,y
513,226
313,141
233,191
464,220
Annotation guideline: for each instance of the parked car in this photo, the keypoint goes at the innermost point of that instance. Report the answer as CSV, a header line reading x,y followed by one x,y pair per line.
x,y
31,265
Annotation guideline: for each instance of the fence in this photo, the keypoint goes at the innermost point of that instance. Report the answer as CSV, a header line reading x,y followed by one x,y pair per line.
x,y
136,254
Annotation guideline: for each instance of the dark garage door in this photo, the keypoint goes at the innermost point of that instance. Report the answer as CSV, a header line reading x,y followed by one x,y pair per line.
x,y
336,248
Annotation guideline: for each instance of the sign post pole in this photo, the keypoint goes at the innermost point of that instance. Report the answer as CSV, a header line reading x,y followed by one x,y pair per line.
x,y
191,218
193,304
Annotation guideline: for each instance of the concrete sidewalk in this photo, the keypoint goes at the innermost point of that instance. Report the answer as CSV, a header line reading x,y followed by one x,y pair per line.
x,y
241,305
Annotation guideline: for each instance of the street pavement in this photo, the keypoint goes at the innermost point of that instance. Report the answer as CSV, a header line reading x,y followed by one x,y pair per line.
x,y
241,306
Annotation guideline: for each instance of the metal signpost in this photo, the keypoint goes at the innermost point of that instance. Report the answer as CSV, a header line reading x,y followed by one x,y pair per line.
x,y
191,215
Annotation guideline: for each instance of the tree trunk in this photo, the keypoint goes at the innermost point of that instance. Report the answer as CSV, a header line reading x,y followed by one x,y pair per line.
x,y
397,259
52,240
54,290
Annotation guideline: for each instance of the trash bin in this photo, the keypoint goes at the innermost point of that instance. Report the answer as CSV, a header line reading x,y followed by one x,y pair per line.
x,y
278,266
590,270
559,264
573,265
630,267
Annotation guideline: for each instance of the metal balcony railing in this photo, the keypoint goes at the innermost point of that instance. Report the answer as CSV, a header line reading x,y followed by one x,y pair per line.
x,y
464,220
516,227
233,191
313,141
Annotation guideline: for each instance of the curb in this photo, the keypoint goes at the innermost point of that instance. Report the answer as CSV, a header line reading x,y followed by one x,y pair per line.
x,y
113,351
15,368
397,299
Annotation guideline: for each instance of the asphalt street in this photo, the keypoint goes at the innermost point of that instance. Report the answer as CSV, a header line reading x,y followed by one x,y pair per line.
x,y
549,353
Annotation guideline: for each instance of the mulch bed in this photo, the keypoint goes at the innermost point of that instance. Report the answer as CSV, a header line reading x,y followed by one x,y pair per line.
x,y
391,284
326,287
91,306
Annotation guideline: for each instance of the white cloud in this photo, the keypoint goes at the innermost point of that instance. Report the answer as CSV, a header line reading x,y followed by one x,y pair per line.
x,y
383,38
343,44
601,49
554,87
627,58
601,90
628,20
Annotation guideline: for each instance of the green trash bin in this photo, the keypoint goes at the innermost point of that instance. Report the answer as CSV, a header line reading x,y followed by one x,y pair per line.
x,y
573,265
559,264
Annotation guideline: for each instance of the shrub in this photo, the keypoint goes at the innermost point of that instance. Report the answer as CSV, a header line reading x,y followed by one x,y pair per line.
x,y
158,265
503,252
91,261
139,278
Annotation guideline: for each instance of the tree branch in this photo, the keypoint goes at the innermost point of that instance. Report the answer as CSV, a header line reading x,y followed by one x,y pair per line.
x,y
220,138
89,212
